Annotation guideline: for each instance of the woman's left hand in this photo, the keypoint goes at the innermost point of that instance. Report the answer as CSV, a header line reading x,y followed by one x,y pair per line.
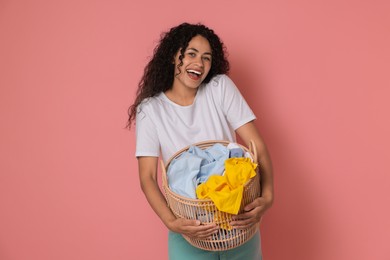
x,y
253,213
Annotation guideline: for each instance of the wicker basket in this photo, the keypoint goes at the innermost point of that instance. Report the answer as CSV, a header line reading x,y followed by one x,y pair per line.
x,y
205,210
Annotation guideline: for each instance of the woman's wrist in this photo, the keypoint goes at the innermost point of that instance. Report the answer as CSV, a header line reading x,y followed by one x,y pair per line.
x,y
169,222
269,198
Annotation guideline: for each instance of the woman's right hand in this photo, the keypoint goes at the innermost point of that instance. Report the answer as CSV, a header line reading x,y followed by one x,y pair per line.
x,y
192,228
148,178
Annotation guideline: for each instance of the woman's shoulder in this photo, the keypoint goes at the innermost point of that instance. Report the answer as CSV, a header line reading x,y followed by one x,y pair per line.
x,y
219,79
219,84
150,101
150,104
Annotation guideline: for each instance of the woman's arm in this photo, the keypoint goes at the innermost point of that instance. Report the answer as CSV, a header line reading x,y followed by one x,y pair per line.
x,y
148,178
256,209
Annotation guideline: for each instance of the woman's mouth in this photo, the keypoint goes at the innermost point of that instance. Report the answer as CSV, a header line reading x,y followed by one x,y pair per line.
x,y
194,74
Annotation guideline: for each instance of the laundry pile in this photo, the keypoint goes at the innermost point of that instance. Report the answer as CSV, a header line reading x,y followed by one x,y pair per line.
x,y
218,173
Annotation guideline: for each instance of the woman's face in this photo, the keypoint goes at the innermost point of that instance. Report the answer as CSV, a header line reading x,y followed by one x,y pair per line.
x,y
196,63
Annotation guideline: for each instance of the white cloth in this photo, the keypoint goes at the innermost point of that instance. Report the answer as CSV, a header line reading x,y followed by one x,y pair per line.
x,y
217,111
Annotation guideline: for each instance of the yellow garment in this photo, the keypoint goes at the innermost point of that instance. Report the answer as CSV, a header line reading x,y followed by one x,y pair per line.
x,y
226,191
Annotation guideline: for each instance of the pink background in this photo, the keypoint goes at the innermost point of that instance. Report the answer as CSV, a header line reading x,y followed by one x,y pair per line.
x,y
315,72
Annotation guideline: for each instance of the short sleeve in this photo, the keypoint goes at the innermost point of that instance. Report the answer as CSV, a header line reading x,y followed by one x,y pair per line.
x,y
234,106
147,142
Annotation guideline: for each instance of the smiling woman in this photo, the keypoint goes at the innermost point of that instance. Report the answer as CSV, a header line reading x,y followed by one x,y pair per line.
x,y
185,97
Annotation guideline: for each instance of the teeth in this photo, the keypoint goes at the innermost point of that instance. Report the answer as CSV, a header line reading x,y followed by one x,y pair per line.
x,y
194,71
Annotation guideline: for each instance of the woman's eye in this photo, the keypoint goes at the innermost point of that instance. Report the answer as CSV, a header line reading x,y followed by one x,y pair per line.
x,y
207,58
191,54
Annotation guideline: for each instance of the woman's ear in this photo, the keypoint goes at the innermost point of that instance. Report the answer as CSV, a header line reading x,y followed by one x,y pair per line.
x,y
176,56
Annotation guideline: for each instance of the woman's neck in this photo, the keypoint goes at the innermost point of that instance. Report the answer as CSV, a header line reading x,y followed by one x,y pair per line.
x,y
180,96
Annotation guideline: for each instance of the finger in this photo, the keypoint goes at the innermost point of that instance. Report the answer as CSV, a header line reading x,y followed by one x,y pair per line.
x,y
244,226
202,228
190,222
254,213
197,224
244,222
242,216
202,233
206,234
250,206
246,219
253,204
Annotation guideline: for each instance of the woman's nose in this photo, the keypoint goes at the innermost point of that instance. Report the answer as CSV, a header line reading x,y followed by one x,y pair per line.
x,y
200,61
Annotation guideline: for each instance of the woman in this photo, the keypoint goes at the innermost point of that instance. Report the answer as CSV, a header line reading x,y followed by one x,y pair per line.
x,y
185,97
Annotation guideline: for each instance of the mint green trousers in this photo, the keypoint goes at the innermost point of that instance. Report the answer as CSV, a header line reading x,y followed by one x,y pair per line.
x,y
180,249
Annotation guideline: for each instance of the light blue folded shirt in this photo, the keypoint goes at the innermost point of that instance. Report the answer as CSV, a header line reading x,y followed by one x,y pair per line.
x,y
195,166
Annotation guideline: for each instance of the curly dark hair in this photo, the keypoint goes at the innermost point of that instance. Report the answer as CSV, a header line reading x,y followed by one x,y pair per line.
x,y
159,72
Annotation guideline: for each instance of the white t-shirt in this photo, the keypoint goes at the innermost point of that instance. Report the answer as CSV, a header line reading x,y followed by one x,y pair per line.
x,y
217,111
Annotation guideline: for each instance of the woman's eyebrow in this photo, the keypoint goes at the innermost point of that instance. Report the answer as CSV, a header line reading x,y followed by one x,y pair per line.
x,y
193,49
